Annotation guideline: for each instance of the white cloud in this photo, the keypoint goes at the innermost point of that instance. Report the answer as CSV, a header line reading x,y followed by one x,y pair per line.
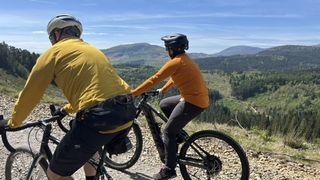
x,y
95,33
26,28
39,32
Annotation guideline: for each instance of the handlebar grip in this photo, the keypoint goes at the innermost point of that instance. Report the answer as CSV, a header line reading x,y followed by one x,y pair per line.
x,y
151,93
4,137
6,142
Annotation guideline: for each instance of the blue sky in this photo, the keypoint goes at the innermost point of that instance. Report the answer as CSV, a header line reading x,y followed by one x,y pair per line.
x,y
211,25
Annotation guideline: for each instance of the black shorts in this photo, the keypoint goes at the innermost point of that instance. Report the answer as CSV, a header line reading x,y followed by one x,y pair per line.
x,y
77,147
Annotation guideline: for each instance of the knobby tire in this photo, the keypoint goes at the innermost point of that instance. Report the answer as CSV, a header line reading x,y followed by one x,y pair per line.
x,y
187,153
134,158
15,163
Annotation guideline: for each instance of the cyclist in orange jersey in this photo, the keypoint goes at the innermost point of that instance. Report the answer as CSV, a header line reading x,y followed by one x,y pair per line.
x,y
180,109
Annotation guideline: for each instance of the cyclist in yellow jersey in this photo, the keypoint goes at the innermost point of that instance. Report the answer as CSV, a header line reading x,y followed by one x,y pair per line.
x,y
88,81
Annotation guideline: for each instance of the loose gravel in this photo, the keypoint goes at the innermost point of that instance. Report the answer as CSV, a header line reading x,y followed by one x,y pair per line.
x,y
266,166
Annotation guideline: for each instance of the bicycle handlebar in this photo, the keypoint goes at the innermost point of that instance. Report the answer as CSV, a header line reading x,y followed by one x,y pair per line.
x,y
150,93
38,123
33,124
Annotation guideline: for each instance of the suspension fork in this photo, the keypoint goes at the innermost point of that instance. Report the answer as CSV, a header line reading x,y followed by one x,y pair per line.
x,y
44,148
44,153
36,162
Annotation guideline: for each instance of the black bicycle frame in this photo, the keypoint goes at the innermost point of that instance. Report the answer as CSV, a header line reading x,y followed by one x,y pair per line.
x,y
155,130
45,141
149,113
44,149
45,153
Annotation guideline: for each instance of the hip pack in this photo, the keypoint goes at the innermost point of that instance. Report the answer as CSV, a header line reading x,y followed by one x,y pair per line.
x,y
109,114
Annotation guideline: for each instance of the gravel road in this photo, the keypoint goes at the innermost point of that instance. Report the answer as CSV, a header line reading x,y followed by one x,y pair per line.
x,y
263,165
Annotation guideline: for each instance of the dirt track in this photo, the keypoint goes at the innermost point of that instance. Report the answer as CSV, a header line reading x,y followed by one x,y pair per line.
x,y
263,165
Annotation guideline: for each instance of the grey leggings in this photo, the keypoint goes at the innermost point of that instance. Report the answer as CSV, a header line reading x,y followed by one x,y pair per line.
x,y
179,113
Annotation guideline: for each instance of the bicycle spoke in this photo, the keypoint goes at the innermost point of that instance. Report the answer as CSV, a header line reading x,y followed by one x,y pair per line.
x,y
37,172
126,156
19,164
192,161
127,159
211,158
195,147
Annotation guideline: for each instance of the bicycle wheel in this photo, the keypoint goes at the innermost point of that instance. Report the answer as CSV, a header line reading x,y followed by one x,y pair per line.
x,y
129,158
19,164
213,155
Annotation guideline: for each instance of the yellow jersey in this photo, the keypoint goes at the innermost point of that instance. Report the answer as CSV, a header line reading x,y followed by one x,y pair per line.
x,y
81,71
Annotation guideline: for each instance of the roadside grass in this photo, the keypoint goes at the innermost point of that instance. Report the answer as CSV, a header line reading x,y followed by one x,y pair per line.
x,y
219,81
12,85
258,140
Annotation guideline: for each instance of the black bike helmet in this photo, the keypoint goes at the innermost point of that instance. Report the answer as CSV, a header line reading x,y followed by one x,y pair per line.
x,y
176,41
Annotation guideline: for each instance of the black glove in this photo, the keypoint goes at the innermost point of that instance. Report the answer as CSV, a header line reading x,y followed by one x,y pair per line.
x,y
3,124
159,91
60,112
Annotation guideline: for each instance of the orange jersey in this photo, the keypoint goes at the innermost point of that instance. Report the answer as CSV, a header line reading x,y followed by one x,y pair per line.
x,y
185,75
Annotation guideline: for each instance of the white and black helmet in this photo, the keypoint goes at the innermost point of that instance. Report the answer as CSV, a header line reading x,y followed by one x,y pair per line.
x,y
62,21
176,41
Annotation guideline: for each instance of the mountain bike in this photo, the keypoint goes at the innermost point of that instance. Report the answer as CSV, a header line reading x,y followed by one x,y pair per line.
x,y
206,154
23,163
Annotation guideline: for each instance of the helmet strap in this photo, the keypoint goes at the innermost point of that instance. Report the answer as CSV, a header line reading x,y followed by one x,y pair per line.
x,y
53,36
175,52
71,31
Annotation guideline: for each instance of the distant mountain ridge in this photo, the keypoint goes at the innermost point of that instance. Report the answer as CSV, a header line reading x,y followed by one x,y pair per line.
x,y
280,58
135,52
141,52
239,50
146,53
236,58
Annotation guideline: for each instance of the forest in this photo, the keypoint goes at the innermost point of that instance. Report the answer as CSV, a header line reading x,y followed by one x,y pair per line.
x,y
298,90
281,58
16,61
275,98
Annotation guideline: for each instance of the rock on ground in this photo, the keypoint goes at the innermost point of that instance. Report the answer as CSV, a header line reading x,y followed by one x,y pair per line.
x,y
263,165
